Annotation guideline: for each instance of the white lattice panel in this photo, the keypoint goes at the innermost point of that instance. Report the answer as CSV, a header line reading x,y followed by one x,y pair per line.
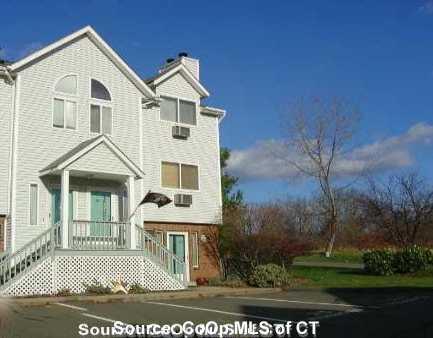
x,y
37,281
72,272
154,278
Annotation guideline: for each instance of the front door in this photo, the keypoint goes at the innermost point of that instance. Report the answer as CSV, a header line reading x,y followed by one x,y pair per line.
x,y
177,243
100,212
55,206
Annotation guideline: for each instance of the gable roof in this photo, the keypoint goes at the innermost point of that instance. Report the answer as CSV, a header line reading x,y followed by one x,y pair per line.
x,y
100,43
187,75
86,146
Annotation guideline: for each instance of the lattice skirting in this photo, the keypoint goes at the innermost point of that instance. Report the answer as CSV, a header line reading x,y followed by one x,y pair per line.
x,y
72,272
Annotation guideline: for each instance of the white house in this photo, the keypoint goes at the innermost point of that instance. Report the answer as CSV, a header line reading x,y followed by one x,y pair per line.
x,y
81,129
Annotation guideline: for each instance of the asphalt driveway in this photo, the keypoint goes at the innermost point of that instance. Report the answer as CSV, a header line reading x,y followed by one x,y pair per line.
x,y
362,313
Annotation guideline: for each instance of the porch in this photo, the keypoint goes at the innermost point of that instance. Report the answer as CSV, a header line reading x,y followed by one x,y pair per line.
x,y
93,196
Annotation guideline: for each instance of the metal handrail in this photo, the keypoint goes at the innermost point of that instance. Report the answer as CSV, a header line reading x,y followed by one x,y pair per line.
x,y
159,254
32,253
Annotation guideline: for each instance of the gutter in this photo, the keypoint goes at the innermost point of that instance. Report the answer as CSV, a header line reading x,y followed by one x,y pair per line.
x,y
5,71
217,112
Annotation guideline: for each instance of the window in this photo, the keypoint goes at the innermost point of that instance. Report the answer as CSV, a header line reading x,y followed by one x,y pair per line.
x,y
67,85
65,106
33,204
189,177
101,116
99,91
100,119
195,252
170,175
175,175
176,110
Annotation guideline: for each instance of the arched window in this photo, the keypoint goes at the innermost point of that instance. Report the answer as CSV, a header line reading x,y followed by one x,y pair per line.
x,y
65,103
67,85
99,91
101,114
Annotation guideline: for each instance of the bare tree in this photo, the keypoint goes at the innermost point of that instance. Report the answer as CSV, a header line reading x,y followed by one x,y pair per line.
x,y
318,134
402,208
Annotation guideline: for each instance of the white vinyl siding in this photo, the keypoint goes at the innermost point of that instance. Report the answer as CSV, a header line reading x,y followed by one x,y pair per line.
x,y
40,143
33,199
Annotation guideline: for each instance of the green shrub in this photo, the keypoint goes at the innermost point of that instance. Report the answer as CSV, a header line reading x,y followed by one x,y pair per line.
x,y
228,283
412,259
137,289
269,275
96,288
408,260
379,262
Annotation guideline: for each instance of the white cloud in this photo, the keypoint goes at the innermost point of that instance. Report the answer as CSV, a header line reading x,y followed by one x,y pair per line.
x,y
267,159
427,7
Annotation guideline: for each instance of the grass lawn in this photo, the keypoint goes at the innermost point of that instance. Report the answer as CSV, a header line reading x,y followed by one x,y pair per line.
x,y
356,278
340,256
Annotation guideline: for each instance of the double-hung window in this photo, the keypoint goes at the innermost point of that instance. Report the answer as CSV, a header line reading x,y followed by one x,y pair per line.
x,y
179,111
101,112
179,176
65,103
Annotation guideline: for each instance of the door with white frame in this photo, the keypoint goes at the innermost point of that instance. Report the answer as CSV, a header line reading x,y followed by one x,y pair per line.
x,y
177,243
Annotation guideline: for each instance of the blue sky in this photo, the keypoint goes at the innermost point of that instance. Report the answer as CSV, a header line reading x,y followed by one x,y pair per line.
x,y
256,56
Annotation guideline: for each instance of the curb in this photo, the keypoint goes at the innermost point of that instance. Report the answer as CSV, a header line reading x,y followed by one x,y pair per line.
x,y
205,292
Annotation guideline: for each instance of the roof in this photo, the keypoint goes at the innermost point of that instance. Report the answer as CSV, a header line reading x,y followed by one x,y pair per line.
x,y
86,146
217,112
178,67
100,43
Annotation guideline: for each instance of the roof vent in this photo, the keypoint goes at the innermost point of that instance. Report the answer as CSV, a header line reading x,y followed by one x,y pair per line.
x,y
182,54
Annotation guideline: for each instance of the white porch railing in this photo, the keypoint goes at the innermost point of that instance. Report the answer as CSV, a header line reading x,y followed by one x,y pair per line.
x,y
159,254
93,235
14,265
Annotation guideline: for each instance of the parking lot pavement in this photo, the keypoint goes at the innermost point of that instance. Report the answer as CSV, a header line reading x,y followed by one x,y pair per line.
x,y
347,313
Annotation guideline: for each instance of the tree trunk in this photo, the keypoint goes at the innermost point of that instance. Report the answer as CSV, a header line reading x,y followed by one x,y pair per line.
x,y
330,246
332,235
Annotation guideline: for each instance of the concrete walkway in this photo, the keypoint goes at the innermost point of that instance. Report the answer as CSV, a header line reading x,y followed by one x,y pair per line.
x,y
191,293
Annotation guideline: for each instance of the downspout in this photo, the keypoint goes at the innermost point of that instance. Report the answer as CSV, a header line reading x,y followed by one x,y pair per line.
x,y
13,163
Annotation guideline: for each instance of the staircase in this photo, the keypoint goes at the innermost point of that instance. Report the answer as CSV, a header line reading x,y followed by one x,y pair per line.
x,y
154,250
13,266
28,270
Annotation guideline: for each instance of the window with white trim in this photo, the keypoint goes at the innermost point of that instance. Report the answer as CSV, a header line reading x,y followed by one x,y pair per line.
x,y
65,103
177,110
179,176
195,250
33,200
101,115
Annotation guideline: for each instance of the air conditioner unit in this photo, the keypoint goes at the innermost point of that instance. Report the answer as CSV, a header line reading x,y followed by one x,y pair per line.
x,y
180,132
183,200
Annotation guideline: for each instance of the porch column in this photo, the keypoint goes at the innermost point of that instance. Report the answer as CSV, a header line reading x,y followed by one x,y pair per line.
x,y
64,202
131,208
